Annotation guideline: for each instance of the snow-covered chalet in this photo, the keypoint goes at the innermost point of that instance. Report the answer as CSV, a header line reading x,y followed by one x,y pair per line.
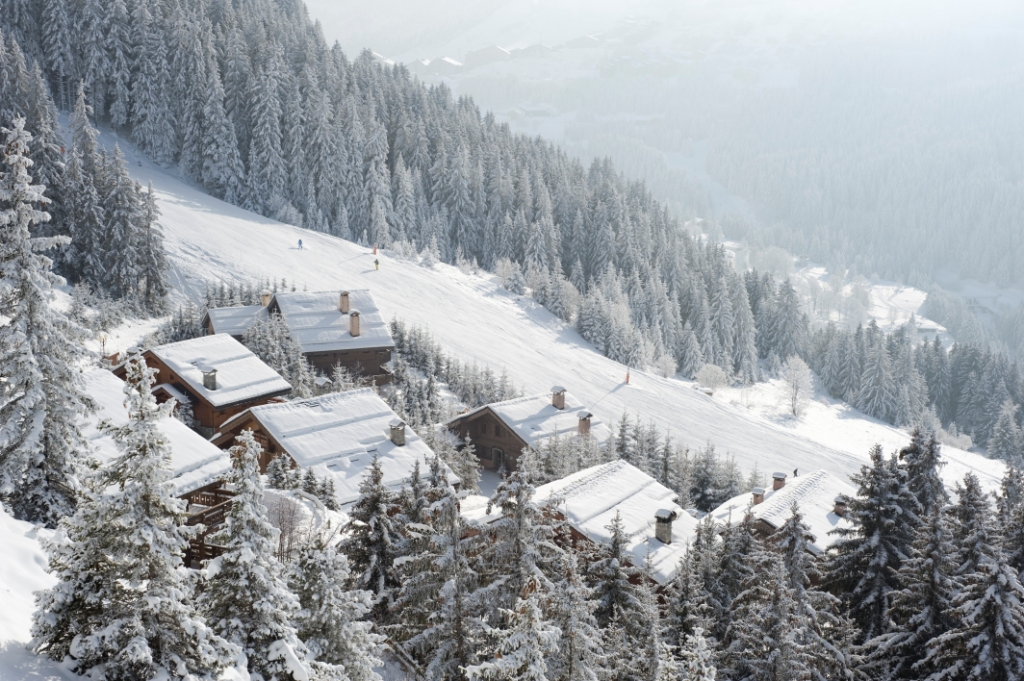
x,y
502,430
214,376
333,328
820,496
656,527
337,436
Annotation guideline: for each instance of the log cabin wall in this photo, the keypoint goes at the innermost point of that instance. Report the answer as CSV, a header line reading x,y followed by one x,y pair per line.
x,y
495,444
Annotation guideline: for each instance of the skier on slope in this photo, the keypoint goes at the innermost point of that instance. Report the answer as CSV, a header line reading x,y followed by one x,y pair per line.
x,y
300,244
376,264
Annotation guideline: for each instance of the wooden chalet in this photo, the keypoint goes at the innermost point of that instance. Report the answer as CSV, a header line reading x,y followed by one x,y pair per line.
x,y
215,376
198,467
657,529
337,435
502,430
333,328
821,497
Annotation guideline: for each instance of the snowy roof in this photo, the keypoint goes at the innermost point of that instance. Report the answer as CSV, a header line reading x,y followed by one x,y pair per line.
x,y
234,321
241,375
590,498
339,434
314,320
815,494
534,418
195,461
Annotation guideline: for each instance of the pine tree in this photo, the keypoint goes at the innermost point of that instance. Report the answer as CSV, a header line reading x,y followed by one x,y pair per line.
x,y
973,530
121,247
876,397
922,461
987,641
526,645
865,560
371,544
267,178
921,610
117,44
153,263
611,578
699,658
572,611
688,354
329,620
435,598
42,397
122,607
152,122
1005,443
247,600
223,173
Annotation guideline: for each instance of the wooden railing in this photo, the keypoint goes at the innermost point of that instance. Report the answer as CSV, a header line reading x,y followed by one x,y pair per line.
x,y
211,497
211,519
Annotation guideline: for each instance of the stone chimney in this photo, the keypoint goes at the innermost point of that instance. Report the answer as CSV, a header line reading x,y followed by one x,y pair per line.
x,y
209,378
265,298
353,322
558,397
397,432
778,480
758,493
343,302
840,509
584,426
663,525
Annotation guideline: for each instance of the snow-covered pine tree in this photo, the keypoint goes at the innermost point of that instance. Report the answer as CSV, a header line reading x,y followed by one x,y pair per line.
x,y
122,607
41,398
121,246
973,529
247,600
987,640
1005,442
864,562
921,610
816,612
152,123
518,549
611,577
877,397
435,595
222,170
463,462
528,642
371,541
270,340
572,611
762,643
922,460
698,658
153,262
330,620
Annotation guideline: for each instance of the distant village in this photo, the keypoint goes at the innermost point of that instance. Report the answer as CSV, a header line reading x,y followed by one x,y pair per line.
x,y
221,388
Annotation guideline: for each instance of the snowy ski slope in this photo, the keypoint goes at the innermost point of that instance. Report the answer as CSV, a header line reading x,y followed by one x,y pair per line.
x,y
477,321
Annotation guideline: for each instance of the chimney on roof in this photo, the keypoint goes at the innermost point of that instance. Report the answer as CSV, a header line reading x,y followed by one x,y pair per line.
x,y
265,298
758,493
343,302
778,480
209,378
840,509
397,432
558,397
663,525
353,322
584,427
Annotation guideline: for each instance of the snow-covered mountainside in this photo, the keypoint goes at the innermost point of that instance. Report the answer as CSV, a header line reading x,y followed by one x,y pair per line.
x,y
478,321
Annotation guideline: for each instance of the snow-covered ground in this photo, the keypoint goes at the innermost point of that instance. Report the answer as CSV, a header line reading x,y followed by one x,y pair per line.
x,y
478,321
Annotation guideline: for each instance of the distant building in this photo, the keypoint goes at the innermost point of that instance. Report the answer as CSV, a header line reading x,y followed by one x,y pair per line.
x,y
487,55
333,328
502,430
215,376
820,496
198,468
655,526
337,436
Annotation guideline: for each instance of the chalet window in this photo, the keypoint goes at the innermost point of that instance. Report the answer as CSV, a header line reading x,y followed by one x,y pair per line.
x,y
497,431
483,429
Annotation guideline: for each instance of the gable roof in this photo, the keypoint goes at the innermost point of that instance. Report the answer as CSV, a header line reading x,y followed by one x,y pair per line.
x,y
338,435
234,321
590,498
815,494
195,461
241,375
534,418
314,320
